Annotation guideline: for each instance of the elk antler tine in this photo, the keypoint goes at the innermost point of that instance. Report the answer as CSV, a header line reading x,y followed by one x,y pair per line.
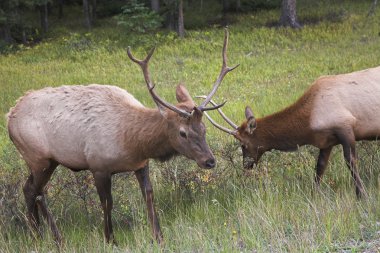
x,y
234,67
225,45
159,101
230,122
225,69
219,126
131,56
214,107
147,58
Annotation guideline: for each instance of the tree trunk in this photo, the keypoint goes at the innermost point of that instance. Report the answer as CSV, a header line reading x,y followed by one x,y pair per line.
x,y
288,14
44,17
155,4
224,12
6,32
60,9
23,36
87,16
181,24
238,5
92,6
372,9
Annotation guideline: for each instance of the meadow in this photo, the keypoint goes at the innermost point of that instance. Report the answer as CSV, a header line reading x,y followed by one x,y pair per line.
x,y
273,208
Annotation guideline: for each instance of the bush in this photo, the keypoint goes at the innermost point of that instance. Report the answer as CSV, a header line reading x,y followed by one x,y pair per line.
x,y
138,18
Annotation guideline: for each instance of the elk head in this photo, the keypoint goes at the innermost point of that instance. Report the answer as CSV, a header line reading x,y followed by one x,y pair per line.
x,y
186,131
252,146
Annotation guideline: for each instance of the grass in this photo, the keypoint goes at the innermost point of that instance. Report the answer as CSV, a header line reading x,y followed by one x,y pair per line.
x,y
275,208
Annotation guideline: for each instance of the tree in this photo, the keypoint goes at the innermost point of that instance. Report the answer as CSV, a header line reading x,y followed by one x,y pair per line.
x,y
181,23
238,5
224,12
372,9
288,14
60,9
174,16
89,11
86,13
155,4
44,20
5,32
13,21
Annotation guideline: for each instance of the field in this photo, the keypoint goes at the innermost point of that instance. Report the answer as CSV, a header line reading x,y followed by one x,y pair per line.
x,y
274,208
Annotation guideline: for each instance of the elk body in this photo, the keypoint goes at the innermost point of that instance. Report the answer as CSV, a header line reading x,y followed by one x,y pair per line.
x,y
104,129
339,109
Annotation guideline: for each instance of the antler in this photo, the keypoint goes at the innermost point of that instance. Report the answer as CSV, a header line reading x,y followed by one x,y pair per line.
x,y
225,129
232,132
230,122
225,69
159,101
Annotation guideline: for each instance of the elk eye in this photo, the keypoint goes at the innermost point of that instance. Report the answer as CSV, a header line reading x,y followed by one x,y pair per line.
x,y
182,133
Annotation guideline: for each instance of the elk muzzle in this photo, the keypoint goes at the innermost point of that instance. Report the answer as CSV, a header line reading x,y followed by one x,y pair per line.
x,y
208,162
248,162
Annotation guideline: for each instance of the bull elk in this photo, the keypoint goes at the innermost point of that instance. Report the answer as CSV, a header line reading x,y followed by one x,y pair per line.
x,y
338,109
105,130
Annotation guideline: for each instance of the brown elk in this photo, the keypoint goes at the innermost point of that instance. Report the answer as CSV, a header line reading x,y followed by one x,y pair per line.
x,y
339,109
104,129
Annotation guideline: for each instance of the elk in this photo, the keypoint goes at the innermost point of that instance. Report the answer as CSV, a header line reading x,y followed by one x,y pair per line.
x,y
105,130
337,109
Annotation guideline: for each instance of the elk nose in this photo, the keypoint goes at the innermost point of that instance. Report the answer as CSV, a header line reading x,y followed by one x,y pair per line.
x,y
210,163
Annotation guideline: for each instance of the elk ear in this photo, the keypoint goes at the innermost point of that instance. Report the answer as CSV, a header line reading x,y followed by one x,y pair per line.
x,y
251,121
182,94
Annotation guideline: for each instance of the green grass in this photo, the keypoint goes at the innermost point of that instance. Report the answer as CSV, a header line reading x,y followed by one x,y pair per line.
x,y
273,209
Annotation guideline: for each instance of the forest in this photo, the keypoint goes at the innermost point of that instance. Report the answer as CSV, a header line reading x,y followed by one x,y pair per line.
x,y
29,21
281,46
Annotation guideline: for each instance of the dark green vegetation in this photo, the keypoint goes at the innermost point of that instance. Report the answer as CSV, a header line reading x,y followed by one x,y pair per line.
x,y
274,208
30,21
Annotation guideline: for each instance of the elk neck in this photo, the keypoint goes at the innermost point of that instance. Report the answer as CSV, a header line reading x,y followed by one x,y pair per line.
x,y
287,129
150,136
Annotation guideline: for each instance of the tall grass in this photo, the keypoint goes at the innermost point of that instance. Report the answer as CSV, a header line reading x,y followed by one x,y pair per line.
x,y
275,208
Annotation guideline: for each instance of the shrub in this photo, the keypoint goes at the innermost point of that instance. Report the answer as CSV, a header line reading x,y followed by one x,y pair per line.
x,y
138,18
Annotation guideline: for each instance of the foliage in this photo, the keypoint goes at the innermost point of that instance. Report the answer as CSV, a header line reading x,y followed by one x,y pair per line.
x,y
248,5
16,17
201,15
274,208
136,17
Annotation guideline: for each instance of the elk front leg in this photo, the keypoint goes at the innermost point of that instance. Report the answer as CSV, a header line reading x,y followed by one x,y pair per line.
x,y
349,152
103,186
323,159
142,176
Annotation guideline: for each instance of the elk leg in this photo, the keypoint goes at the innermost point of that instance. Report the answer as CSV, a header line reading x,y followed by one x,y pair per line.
x,y
323,159
142,176
103,186
50,219
32,209
34,196
349,152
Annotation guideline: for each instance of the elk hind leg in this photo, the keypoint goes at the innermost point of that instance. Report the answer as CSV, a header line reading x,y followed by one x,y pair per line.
x,y
103,186
34,196
32,215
